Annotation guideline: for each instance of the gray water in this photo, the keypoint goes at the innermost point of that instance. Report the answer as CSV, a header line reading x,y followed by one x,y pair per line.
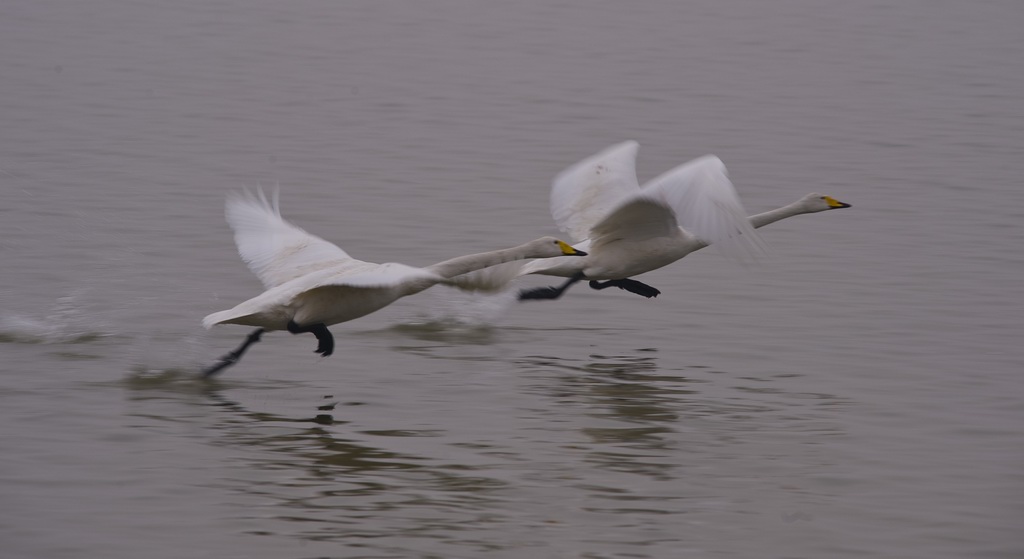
x,y
858,394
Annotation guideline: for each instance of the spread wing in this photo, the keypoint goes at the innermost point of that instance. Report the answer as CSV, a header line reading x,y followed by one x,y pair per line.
x,y
586,192
275,250
705,203
637,219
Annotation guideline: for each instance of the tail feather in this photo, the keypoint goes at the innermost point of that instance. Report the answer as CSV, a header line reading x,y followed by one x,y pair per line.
x,y
218,318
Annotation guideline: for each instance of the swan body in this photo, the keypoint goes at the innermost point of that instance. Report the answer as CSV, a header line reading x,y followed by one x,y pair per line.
x,y
628,230
330,296
312,283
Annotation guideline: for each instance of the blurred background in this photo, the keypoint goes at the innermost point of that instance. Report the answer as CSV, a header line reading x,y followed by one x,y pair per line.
x,y
857,394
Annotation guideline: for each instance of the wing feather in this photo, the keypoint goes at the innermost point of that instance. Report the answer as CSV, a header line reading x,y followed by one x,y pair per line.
x,y
639,218
584,193
706,204
275,250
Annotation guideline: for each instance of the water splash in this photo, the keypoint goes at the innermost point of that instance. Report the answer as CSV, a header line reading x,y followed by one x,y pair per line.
x,y
67,323
141,377
460,310
169,356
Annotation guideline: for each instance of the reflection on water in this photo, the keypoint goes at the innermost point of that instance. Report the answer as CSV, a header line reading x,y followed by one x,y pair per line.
x,y
575,427
324,484
655,414
784,412
440,334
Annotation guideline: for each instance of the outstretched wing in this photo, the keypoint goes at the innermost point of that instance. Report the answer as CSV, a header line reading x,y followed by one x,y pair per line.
x,y
638,218
705,203
275,250
583,194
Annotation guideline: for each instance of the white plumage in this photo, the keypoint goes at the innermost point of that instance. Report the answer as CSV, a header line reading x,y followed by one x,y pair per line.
x,y
311,283
310,280
629,230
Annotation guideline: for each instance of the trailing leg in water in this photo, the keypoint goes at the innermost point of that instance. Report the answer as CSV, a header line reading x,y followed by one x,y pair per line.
x,y
233,357
549,292
632,286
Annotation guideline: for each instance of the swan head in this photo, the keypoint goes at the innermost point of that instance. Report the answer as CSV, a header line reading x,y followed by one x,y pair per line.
x,y
546,247
815,202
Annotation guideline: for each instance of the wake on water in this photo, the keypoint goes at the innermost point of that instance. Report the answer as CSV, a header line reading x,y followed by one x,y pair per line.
x,y
451,309
66,323
71,321
171,357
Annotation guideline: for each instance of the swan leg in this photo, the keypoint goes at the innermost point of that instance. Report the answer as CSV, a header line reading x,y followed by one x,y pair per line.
x,y
325,346
632,286
233,357
549,292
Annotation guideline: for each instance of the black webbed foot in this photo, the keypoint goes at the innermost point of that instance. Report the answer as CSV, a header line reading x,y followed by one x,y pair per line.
x,y
325,345
632,286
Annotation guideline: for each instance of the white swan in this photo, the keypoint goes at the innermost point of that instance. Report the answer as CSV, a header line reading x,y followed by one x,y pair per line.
x,y
312,283
629,230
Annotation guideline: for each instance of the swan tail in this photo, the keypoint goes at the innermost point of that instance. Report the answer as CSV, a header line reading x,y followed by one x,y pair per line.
x,y
245,316
221,317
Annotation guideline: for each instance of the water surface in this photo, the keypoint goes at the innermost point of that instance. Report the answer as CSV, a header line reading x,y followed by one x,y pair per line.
x,y
857,395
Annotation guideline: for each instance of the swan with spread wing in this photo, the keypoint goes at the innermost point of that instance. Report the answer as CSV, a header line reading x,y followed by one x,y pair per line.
x,y
312,283
628,229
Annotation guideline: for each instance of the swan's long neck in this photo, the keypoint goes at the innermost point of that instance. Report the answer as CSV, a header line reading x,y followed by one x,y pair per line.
x,y
760,220
771,216
479,261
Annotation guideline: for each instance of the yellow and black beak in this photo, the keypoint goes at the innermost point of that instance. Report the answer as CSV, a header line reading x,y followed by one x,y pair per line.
x,y
569,251
835,204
